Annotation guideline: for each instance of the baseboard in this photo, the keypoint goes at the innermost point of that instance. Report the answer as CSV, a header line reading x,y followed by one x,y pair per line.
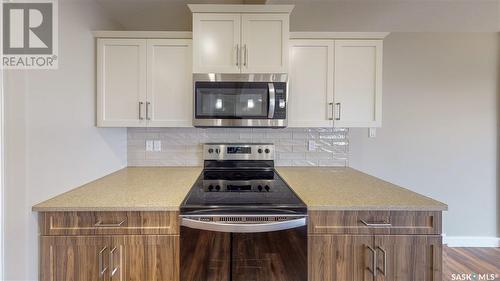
x,y
471,241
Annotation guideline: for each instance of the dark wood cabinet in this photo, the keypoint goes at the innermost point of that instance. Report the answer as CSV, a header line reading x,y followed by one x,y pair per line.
x,y
118,255
352,246
408,257
340,257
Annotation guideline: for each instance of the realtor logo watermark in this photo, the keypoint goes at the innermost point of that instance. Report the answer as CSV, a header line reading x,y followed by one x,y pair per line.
x,y
30,34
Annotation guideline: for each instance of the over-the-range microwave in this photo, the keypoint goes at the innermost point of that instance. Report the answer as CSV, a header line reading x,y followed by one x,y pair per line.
x,y
240,100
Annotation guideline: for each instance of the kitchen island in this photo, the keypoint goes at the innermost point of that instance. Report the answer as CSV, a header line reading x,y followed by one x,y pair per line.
x,y
125,226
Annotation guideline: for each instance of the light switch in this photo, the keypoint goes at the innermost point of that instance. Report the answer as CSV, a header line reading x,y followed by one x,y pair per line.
x,y
372,132
311,145
149,145
157,145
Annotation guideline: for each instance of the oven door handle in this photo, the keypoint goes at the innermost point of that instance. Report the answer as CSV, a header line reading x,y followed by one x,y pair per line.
x,y
272,101
243,227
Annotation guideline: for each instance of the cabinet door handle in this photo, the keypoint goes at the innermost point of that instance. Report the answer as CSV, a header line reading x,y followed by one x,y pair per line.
x,y
332,110
140,110
373,270
102,269
148,111
237,55
338,106
246,56
112,263
384,270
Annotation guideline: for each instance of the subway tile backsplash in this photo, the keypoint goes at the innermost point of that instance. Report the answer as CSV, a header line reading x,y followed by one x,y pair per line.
x,y
183,146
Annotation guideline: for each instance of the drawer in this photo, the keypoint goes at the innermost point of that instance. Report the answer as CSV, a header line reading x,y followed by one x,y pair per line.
x,y
374,222
108,223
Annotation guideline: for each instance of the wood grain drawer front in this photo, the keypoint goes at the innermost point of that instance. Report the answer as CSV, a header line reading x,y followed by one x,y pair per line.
x,y
374,222
108,223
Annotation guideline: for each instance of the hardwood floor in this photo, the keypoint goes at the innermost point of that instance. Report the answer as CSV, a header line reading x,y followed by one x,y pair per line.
x,y
471,260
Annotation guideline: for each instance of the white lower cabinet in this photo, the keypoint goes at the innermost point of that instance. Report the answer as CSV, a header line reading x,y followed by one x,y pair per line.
x,y
335,83
144,83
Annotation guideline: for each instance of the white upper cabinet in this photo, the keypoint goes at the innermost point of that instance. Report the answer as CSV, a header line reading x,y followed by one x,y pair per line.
x,y
144,82
217,43
121,82
169,96
358,83
335,82
240,38
264,43
311,83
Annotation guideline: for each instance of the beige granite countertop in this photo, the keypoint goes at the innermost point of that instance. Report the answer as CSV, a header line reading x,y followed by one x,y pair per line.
x,y
129,189
164,188
349,189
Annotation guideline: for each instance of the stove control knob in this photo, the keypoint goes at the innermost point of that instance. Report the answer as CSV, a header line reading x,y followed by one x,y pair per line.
x,y
267,150
266,187
210,150
259,187
217,150
210,187
217,187
259,150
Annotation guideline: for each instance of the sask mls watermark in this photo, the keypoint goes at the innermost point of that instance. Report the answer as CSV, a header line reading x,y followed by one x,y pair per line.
x,y
29,29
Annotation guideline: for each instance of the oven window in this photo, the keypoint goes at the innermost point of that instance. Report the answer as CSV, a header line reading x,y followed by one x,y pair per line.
x,y
229,100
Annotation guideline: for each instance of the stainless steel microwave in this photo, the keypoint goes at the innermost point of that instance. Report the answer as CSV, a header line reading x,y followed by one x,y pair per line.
x,y
240,100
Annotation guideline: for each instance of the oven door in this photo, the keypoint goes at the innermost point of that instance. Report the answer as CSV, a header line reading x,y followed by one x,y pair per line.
x,y
236,104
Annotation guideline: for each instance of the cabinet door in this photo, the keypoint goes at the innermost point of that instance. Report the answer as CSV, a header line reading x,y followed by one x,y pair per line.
x,y
409,257
145,257
216,43
121,82
77,258
311,83
170,92
358,83
264,43
340,257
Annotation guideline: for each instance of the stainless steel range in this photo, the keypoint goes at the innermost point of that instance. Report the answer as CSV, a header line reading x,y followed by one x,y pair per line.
x,y
245,219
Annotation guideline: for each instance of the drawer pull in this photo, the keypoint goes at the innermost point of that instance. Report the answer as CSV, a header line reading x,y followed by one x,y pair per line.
x,y
100,224
376,224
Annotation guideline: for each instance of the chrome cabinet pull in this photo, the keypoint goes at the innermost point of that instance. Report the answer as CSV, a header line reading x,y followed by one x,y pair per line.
x,y
140,110
338,105
332,110
147,111
100,224
112,262
237,55
102,269
384,270
246,56
373,270
376,224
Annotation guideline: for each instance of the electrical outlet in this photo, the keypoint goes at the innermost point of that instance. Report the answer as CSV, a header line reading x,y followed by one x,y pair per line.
x,y
372,132
157,145
149,145
311,145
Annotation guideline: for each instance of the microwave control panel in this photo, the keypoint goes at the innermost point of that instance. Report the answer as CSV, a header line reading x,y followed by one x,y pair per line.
x,y
280,102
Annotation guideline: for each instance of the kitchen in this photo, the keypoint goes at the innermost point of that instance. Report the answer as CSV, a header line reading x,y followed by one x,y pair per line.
x,y
111,108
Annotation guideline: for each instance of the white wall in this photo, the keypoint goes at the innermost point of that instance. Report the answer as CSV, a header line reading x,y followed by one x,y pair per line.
x,y
52,144
439,134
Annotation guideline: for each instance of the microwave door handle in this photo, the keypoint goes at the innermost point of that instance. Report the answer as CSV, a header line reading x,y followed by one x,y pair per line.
x,y
272,101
